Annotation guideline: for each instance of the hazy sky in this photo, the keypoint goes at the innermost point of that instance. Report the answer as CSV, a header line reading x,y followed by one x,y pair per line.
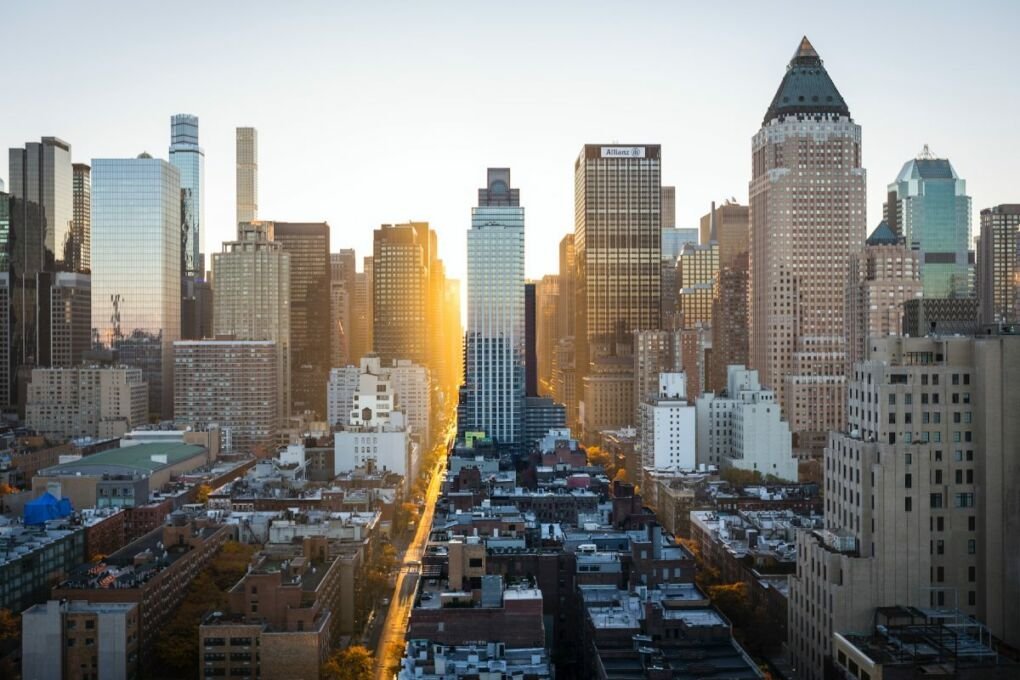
x,y
386,112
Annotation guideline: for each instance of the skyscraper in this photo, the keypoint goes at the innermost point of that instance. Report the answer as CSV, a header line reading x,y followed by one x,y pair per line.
x,y
189,159
39,236
399,292
343,301
807,217
547,309
310,311
136,260
6,375
81,216
998,264
728,226
617,239
70,318
492,399
668,207
530,340
885,275
251,280
247,174
928,204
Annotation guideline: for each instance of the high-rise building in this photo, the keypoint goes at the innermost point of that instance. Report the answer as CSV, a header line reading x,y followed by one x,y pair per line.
x,y
38,238
61,637
70,318
253,299
247,174
655,352
310,311
668,426
492,399
807,213
79,255
359,335
547,307
343,275
400,292
668,207
6,375
674,240
929,206
136,260
412,388
918,485
998,264
189,159
728,226
617,238
744,428
885,275
697,268
454,370
230,384
86,401
565,386
608,390
530,340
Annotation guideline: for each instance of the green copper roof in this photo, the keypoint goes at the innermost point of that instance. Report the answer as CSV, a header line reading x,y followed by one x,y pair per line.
x,y
137,457
806,89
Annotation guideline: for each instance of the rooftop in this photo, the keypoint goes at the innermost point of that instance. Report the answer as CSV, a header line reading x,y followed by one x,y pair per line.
x,y
141,458
807,89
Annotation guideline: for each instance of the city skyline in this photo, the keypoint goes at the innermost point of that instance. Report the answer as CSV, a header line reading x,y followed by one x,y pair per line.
x,y
540,116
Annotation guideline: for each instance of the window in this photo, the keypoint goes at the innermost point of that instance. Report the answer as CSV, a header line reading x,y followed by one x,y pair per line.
x,y
908,481
972,574
971,546
965,500
936,500
940,547
908,504
971,597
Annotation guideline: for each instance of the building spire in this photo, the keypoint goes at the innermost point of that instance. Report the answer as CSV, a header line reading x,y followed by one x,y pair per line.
x,y
805,50
926,154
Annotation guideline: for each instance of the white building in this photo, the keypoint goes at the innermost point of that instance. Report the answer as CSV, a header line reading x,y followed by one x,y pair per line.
x,y
384,447
745,429
381,389
86,401
343,383
410,382
667,426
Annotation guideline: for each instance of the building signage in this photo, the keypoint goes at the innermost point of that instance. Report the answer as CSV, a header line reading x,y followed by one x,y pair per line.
x,y
623,152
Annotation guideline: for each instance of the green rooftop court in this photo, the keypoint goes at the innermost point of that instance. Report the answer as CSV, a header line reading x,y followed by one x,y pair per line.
x,y
140,458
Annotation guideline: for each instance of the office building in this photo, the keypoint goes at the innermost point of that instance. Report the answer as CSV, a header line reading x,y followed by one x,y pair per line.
x,y
492,399
608,395
547,307
189,159
251,280
40,219
136,260
542,414
400,292
667,426
78,640
230,384
916,495
928,205
343,383
308,246
86,401
70,318
807,210
668,207
697,268
617,240
411,386
6,374
78,257
247,174
530,340
359,335
744,429
885,275
998,264
728,226
343,304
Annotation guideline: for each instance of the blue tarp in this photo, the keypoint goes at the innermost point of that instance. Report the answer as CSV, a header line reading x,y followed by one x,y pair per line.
x,y
46,507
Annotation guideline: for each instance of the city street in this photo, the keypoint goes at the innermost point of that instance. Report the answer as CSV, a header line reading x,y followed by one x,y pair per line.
x,y
392,637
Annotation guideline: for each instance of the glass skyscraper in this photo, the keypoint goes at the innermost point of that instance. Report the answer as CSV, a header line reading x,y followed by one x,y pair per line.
x,y
928,205
136,264
492,399
189,159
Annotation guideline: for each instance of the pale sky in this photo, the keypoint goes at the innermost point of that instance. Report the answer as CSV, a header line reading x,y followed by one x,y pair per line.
x,y
373,113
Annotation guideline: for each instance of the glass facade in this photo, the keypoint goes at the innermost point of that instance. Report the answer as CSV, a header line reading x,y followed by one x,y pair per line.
x,y
136,257
929,205
492,400
189,159
79,255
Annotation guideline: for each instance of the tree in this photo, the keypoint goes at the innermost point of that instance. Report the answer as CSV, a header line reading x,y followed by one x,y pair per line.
x,y
10,626
202,493
6,489
353,663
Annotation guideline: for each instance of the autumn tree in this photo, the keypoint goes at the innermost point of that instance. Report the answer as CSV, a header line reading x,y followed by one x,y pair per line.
x,y
352,663
10,626
202,493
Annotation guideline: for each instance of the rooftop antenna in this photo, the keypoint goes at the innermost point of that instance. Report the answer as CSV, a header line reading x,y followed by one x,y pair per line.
x,y
926,154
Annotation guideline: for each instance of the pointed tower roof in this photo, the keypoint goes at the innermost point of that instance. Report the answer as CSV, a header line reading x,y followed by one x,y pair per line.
x,y
883,236
807,89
